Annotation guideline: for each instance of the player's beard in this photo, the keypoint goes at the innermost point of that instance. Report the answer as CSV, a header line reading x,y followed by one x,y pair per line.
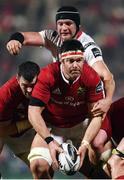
x,y
74,74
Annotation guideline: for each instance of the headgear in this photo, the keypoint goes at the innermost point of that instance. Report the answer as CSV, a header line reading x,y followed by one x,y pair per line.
x,y
69,12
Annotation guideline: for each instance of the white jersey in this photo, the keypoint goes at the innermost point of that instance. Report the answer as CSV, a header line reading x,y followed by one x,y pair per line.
x,y
53,42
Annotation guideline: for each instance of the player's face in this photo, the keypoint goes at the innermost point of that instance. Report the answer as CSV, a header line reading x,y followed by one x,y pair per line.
x,y
66,29
72,67
26,86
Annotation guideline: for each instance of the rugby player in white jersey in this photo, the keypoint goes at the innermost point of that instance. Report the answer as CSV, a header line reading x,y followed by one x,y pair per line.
x,y
68,27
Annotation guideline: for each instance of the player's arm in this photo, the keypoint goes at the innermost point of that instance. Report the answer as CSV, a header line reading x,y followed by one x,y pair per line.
x,y
39,125
93,55
37,120
18,39
109,86
90,134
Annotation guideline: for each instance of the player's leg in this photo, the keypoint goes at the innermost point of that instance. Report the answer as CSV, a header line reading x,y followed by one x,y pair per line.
x,y
116,162
40,159
102,142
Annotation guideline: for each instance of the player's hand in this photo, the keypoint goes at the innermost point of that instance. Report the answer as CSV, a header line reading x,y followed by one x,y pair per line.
x,y
101,106
54,150
81,152
14,46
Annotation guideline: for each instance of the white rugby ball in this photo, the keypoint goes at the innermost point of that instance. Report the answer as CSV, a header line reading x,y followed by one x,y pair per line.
x,y
68,160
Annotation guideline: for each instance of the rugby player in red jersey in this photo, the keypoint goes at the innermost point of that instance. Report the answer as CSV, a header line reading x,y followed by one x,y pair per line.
x,y
15,129
115,164
68,27
61,100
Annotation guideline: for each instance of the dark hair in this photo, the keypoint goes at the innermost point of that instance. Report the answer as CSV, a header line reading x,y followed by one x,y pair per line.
x,y
28,70
71,45
69,12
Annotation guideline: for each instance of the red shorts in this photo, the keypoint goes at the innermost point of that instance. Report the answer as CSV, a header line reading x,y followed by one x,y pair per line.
x,y
106,125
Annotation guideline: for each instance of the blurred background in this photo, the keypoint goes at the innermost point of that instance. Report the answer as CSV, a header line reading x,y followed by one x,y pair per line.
x,y
103,20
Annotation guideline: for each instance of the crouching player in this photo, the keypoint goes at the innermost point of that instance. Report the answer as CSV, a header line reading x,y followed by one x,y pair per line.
x,y
61,100
15,129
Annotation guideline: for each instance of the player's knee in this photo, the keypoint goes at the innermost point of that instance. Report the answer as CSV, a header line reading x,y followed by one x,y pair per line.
x,y
39,167
98,144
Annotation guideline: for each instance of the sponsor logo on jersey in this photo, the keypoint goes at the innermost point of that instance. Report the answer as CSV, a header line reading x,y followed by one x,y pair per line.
x,y
89,44
99,87
81,91
96,52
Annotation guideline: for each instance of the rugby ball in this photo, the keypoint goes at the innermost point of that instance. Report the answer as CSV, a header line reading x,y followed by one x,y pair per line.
x,y
68,160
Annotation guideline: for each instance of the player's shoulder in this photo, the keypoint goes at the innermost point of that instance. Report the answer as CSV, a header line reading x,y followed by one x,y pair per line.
x,y
10,84
50,71
86,40
10,88
89,75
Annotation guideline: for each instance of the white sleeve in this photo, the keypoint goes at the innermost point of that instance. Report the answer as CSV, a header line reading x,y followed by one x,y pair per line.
x,y
42,34
50,35
92,52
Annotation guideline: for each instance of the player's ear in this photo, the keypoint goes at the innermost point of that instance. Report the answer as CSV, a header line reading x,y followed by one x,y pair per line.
x,y
17,77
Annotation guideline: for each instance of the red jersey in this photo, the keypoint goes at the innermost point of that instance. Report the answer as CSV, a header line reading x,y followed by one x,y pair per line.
x,y
116,116
12,102
66,104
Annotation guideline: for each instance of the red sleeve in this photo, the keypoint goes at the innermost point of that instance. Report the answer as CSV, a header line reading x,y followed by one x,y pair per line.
x,y
41,90
7,91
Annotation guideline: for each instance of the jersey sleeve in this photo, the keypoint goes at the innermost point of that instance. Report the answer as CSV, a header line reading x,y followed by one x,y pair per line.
x,y
41,91
92,52
50,36
5,107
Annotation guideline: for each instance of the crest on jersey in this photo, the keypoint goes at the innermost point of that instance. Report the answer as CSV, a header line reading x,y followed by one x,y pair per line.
x,y
81,90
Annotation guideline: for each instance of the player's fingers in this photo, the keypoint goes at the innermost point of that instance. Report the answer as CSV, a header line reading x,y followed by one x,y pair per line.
x,y
60,150
54,161
14,47
96,105
55,165
79,152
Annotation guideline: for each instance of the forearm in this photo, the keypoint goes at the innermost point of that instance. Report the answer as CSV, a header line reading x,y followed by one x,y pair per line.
x,y
109,86
37,122
32,39
93,129
107,78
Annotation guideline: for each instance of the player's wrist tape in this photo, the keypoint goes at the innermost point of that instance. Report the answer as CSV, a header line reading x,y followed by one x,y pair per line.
x,y
17,36
85,143
118,153
49,139
40,153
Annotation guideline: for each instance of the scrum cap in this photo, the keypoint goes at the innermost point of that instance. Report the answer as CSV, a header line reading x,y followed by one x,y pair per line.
x,y
69,12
